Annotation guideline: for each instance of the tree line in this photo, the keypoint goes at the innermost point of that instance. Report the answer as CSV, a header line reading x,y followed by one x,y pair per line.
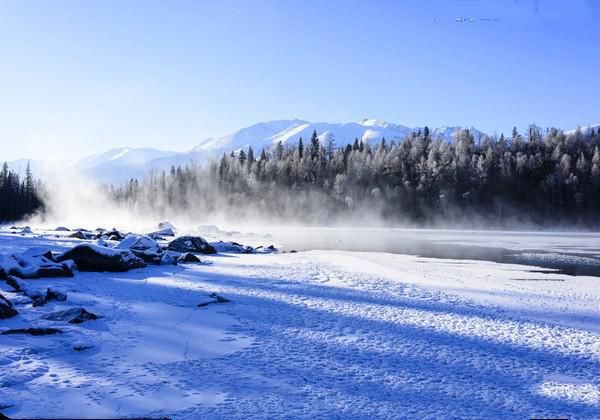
x,y
18,198
542,176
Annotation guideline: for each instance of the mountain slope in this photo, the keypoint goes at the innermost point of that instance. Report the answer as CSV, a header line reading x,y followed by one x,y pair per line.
x,y
120,164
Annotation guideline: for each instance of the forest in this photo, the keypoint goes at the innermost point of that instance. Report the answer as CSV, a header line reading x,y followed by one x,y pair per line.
x,y
18,198
542,177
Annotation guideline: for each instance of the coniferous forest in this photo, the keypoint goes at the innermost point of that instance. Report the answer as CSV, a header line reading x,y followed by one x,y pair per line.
x,y
18,198
542,176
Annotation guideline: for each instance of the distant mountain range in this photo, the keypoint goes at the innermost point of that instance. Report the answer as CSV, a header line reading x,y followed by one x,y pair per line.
x,y
120,164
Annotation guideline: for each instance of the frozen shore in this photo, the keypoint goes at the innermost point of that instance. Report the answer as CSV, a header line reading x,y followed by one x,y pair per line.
x,y
322,333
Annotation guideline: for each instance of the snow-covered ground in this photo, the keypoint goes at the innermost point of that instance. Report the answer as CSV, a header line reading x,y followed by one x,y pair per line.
x,y
313,334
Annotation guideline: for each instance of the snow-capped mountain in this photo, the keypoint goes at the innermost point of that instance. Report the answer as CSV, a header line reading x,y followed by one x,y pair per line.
x,y
584,129
120,164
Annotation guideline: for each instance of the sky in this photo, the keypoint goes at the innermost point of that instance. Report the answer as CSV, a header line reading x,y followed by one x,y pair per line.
x,y
81,77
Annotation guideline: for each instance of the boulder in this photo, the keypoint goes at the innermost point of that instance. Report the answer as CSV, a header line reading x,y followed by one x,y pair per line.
x,y
62,229
72,316
81,235
53,293
6,308
168,258
90,257
232,247
138,243
188,258
191,244
142,247
114,235
166,225
164,229
34,263
15,283
38,297
32,331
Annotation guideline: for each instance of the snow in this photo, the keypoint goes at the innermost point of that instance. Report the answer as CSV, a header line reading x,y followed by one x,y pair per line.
x,y
123,163
318,333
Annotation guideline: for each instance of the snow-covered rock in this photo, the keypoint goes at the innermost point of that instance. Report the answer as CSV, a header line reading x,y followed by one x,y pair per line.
x,y
34,263
138,243
232,247
192,244
188,258
6,308
71,315
90,257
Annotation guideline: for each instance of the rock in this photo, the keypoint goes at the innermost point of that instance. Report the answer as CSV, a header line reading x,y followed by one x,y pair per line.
x,y
32,331
191,244
15,283
166,225
114,235
53,293
168,259
38,298
90,257
72,316
6,308
26,229
232,247
188,258
214,299
35,263
81,235
62,229
138,243
166,231
143,247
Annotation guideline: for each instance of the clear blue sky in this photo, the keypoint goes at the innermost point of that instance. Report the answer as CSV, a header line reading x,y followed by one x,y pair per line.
x,y
79,77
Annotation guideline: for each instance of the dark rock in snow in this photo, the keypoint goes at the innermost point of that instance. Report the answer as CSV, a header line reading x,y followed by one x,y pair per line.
x,y
32,331
15,283
214,299
62,229
232,247
164,229
81,235
188,258
149,257
38,298
6,308
90,257
192,244
35,263
138,243
72,316
114,235
53,293
143,247
169,258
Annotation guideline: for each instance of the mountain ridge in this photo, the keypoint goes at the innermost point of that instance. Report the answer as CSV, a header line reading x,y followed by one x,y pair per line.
x,y
117,165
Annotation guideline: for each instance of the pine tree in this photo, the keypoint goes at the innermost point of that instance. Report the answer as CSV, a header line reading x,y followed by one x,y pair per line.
x,y
300,148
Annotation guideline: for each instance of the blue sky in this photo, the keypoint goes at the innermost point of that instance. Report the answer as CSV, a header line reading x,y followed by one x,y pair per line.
x,y
79,77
